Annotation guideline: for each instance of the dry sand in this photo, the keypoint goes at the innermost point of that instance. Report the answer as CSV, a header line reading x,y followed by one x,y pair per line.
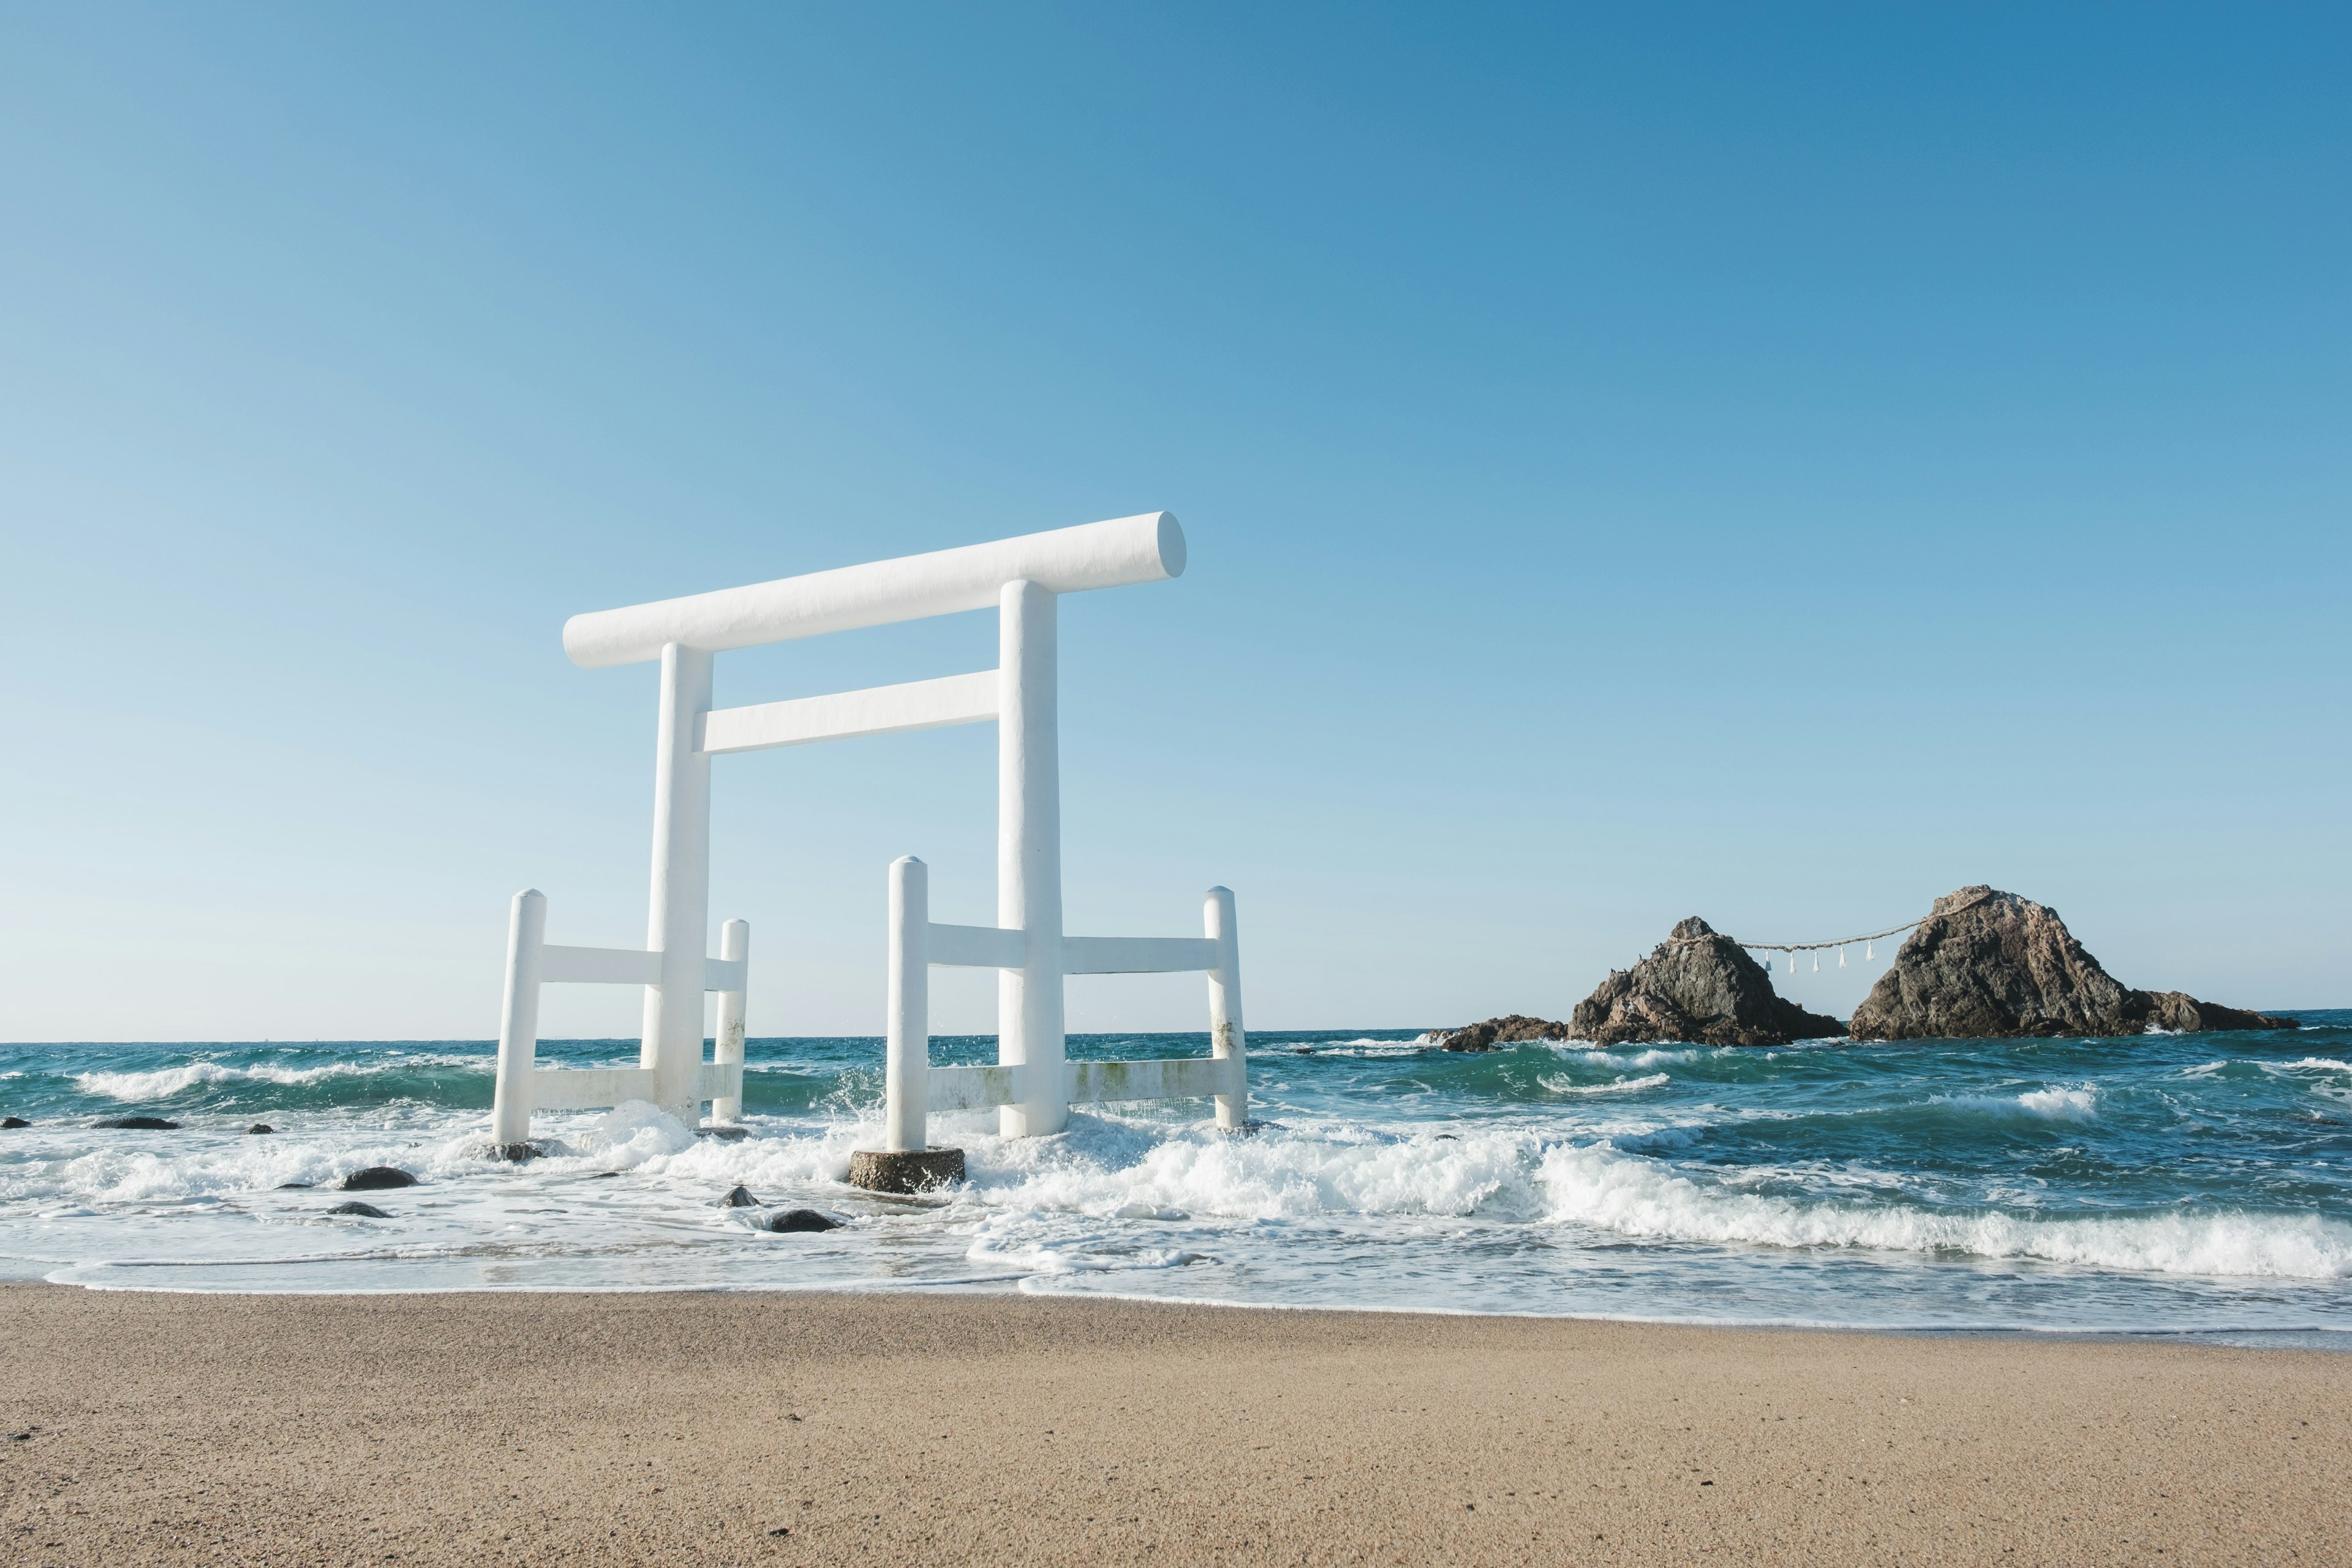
x,y
493,1429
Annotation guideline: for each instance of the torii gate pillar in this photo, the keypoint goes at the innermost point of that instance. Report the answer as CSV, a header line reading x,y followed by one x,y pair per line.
x,y
677,920
1029,859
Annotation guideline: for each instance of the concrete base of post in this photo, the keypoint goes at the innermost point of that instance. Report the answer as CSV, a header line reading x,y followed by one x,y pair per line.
x,y
517,1153
904,1170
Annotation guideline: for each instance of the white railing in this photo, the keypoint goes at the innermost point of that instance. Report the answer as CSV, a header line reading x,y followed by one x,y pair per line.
x,y
913,1087
523,1085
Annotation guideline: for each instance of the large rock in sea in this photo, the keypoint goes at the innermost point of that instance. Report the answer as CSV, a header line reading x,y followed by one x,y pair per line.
x,y
1987,964
1697,986
1700,987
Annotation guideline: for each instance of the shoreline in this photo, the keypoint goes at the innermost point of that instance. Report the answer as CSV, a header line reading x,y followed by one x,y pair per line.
x,y
963,1426
2320,1340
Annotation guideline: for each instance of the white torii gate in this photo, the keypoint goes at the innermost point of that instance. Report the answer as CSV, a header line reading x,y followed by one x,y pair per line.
x,y
1033,1082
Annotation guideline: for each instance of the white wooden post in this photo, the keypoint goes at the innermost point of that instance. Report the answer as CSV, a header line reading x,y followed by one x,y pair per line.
x,y
519,1024
1227,1041
906,1064
678,923
1029,859
726,1045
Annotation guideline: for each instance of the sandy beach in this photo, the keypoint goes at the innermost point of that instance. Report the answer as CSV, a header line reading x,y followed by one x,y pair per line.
x,y
779,1428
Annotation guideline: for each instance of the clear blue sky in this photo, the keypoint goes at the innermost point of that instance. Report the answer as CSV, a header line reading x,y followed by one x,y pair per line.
x,y
1774,463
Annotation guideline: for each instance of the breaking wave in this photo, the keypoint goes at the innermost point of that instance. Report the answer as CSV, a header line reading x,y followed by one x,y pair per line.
x,y
1596,1186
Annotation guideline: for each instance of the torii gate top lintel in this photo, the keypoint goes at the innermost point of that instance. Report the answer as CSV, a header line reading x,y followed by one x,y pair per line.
x,y
1145,548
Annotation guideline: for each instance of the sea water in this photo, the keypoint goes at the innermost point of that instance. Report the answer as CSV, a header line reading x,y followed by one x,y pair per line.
x,y
2198,1184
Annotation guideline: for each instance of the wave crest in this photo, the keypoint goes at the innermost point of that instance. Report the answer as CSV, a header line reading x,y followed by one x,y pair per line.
x,y
1592,1185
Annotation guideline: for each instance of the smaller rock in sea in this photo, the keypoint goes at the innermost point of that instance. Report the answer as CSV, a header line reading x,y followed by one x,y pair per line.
x,y
296,1186
259,1127
802,1219
139,1124
740,1198
376,1178
13,1121
1494,1034
362,1211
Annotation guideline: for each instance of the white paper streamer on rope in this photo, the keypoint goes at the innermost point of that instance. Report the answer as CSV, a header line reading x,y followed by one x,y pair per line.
x,y
1869,940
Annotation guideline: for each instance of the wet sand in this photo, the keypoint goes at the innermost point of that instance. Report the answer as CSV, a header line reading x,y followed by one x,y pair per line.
x,y
493,1429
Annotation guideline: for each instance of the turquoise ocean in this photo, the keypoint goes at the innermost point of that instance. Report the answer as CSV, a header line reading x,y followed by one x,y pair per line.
x,y
2171,1184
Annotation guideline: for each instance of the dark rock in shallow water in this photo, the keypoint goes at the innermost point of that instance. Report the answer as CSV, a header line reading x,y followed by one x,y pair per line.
x,y
1700,986
726,1132
13,1121
364,1211
1494,1034
1991,966
296,1186
376,1178
802,1219
740,1199
259,1127
139,1124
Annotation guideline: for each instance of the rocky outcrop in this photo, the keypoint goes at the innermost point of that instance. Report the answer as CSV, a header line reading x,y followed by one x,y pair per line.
x,y
2183,1013
137,1123
1698,986
1494,1034
793,1220
1987,964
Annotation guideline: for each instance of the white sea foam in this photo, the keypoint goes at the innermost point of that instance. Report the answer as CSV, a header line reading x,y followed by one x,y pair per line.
x,y
1559,1085
1364,1047
2056,1104
1104,1164
1655,1055
1595,1186
2062,1104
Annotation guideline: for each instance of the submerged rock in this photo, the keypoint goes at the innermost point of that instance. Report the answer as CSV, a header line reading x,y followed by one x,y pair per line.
x,y
363,1211
802,1219
139,1123
375,1178
1494,1034
1700,987
740,1199
1987,964
13,1122
259,1127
